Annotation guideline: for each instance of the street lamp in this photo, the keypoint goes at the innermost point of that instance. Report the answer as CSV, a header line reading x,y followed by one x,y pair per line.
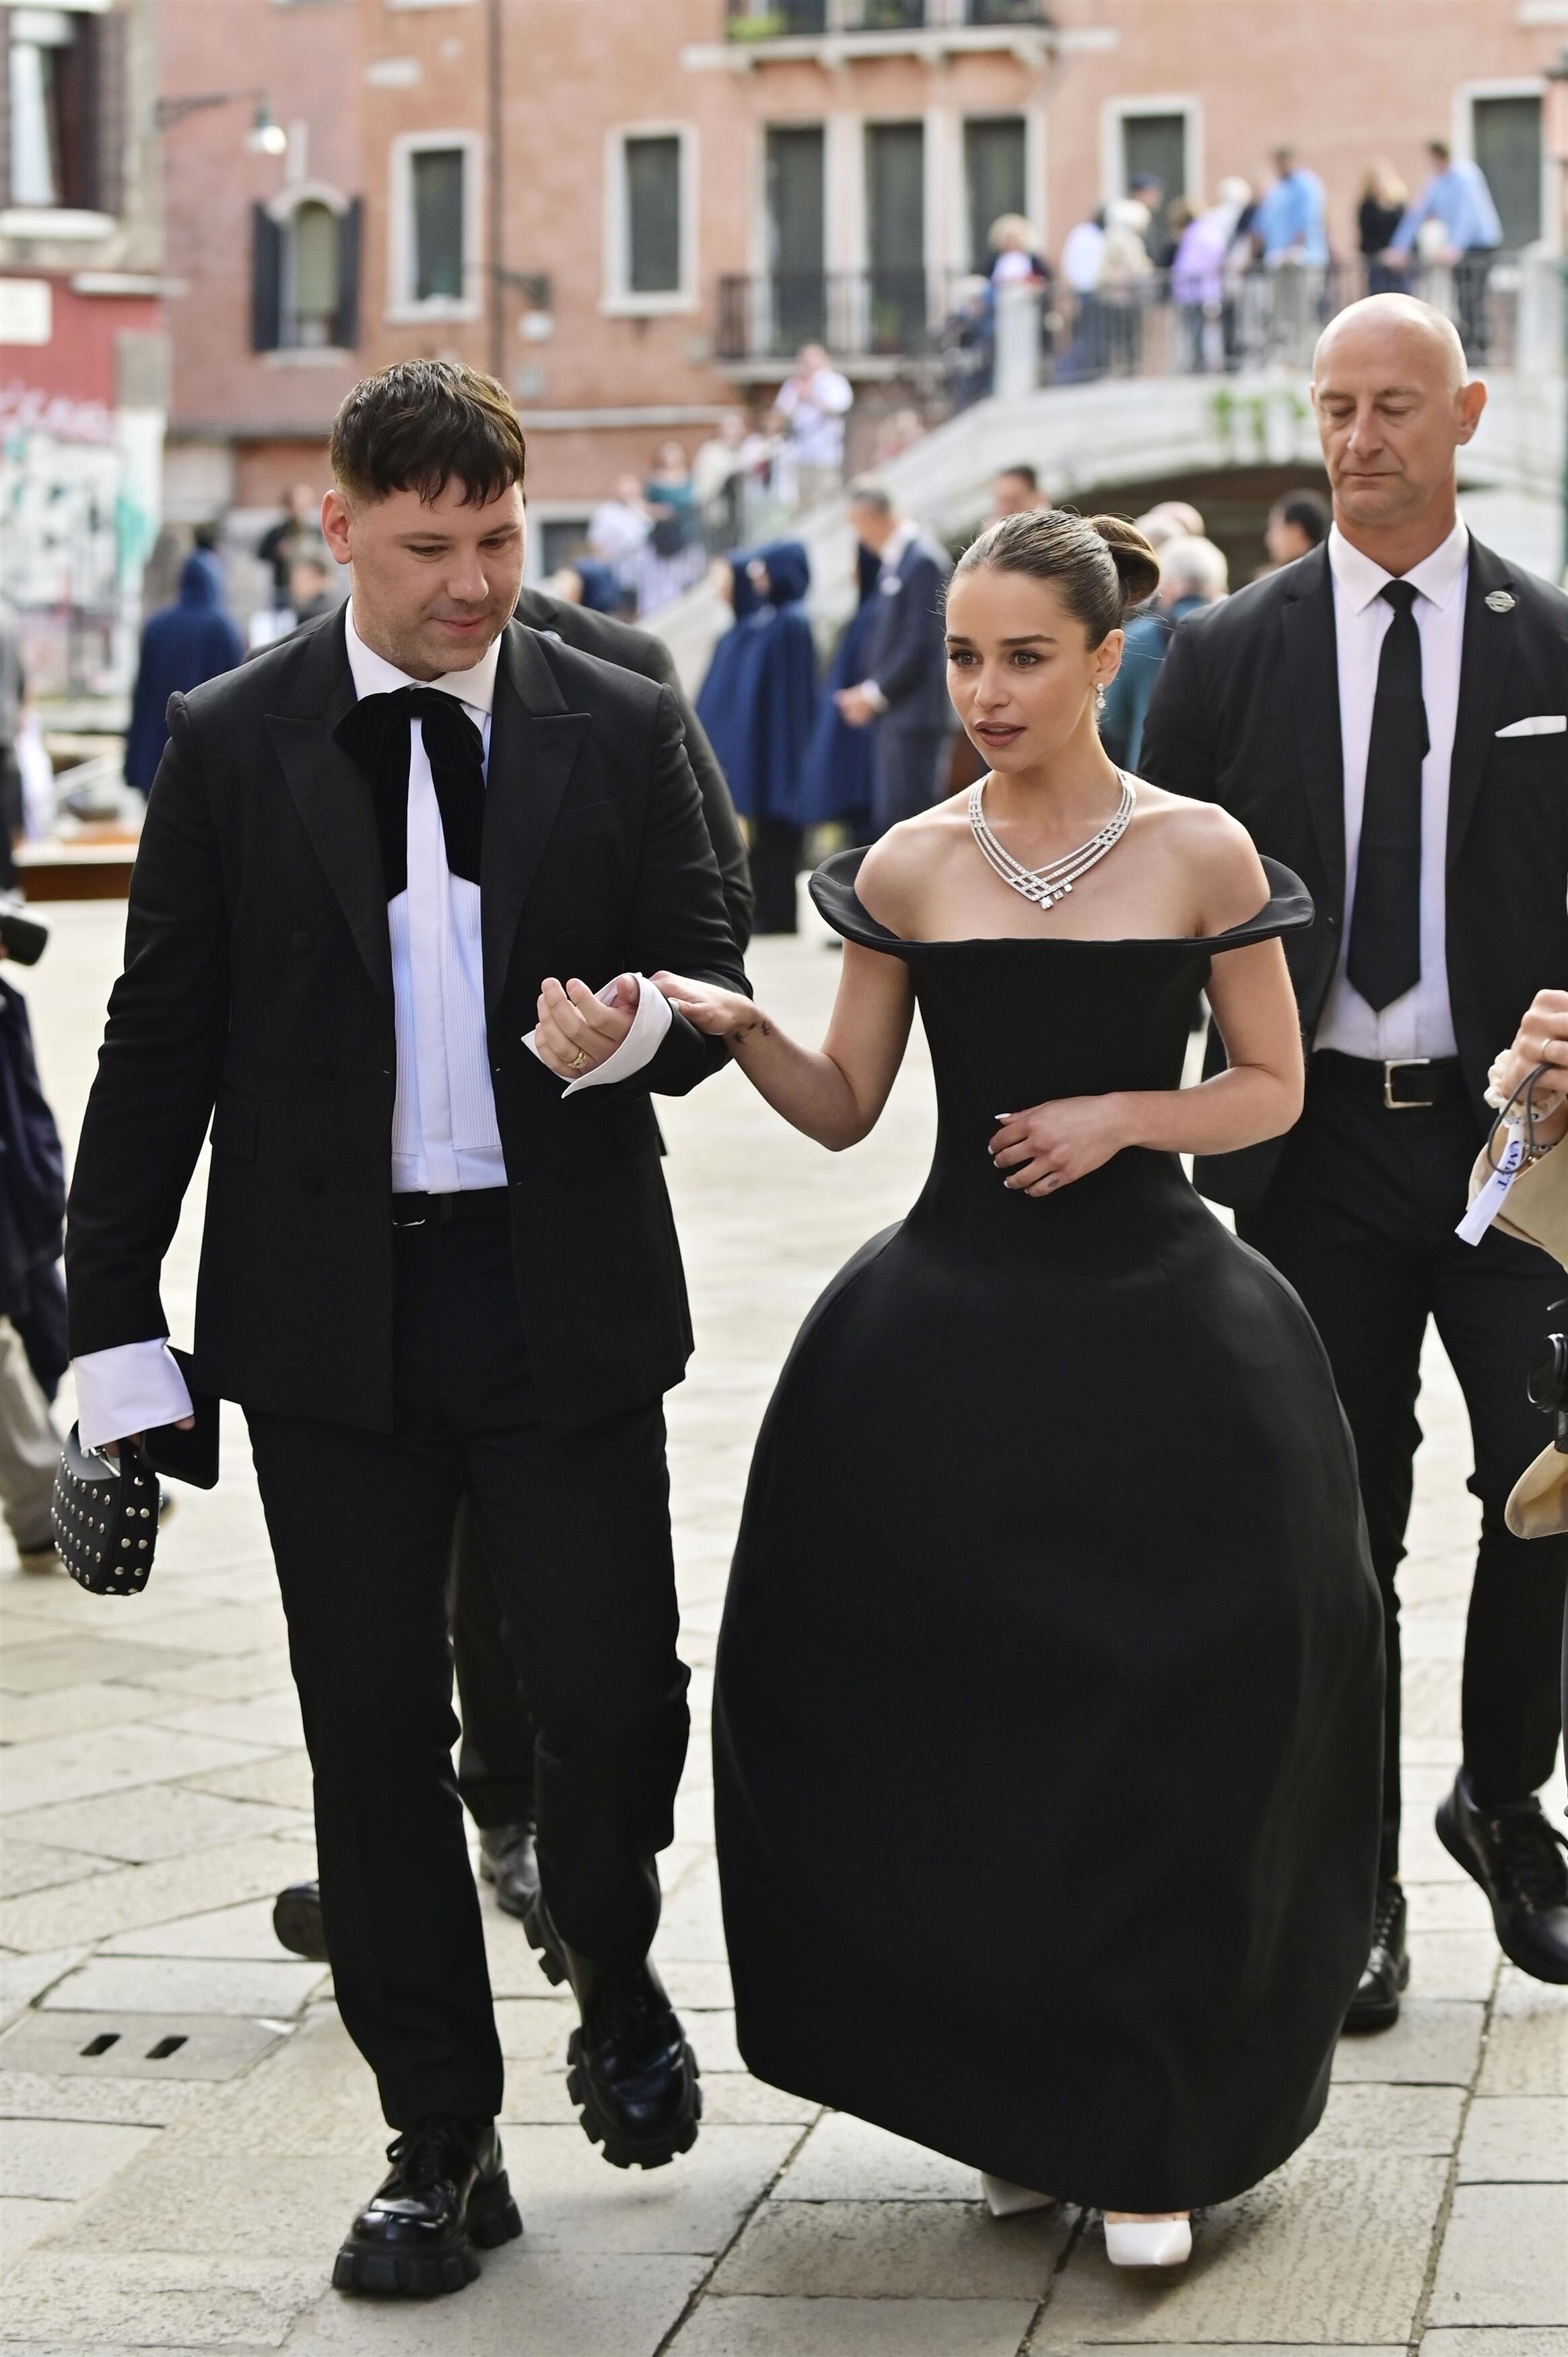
x,y
266,137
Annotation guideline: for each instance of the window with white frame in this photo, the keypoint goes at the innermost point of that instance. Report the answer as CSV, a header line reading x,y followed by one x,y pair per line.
x,y
304,272
436,262
64,77
650,219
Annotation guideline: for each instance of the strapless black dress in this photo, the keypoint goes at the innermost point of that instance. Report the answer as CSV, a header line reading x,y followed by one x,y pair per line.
x,y
1047,1729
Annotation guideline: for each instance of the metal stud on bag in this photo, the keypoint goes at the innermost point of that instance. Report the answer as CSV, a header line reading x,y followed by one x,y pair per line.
x,y
98,1506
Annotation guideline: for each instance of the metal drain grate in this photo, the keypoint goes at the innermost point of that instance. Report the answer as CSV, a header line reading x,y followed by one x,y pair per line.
x,y
137,2045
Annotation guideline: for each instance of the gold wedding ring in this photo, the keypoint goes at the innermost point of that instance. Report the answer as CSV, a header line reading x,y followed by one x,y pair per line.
x,y
579,1059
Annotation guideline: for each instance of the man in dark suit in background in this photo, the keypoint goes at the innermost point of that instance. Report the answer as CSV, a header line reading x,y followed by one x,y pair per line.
x,y
1386,716
378,862
903,696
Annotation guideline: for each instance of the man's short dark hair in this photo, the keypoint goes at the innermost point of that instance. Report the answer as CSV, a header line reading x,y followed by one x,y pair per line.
x,y
1025,473
415,427
867,492
1309,512
1439,147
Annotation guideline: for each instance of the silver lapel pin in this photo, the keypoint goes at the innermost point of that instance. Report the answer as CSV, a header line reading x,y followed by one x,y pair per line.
x,y
1501,601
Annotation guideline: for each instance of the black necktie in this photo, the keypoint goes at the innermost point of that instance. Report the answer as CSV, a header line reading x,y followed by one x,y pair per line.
x,y
1384,959
375,735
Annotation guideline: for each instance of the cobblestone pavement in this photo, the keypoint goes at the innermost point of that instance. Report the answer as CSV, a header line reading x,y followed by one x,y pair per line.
x,y
188,2129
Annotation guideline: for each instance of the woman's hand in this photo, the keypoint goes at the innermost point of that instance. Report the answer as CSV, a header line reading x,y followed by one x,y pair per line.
x,y
1542,1038
722,1013
1051,1145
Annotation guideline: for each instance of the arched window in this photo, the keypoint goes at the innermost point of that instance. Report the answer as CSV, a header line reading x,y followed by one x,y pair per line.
x,y
312,278
304,272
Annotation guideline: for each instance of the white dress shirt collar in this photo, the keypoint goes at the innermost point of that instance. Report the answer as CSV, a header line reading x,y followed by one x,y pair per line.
x,y
1360,578
374,675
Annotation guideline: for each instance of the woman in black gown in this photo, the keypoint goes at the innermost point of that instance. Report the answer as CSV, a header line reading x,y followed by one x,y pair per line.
x,y
1048,1709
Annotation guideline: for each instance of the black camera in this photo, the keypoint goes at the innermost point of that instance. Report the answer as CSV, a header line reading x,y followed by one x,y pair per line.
x,y
24,937
1548,1380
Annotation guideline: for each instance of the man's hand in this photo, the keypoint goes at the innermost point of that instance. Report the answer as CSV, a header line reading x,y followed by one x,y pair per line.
x,y
855,707
578,1032
1051,1145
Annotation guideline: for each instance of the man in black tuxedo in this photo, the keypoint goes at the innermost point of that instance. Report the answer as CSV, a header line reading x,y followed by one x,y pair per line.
x,y
496,1759
1386,716
378,861
903,698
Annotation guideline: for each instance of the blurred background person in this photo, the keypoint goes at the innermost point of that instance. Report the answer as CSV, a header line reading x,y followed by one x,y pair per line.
x,y
299,524
1193,573
1298,524
32,1354
813,404
718,482
13,690
757,705
312,586
586,582
1017,257
835,775
1083,256
617,533
1457,200
969,341
1170,519
902,696
183,645
1015,492
1290,229
1384,198
671,557
1199,286
1126,282
1148,189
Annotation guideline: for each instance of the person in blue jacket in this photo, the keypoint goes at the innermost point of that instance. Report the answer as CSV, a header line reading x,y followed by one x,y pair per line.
x,y
757,705
835,778
183,645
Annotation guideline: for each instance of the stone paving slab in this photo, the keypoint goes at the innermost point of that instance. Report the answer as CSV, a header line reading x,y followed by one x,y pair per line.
x,y
1510,2140
154,1821
527,2304
187,1984
857,2328
1504,2258
62,2160
53,2096
1436,2042
1526,2049
894,2250
1323,2251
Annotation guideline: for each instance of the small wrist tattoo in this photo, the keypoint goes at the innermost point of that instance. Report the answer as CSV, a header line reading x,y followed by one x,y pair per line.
x,y
759,1025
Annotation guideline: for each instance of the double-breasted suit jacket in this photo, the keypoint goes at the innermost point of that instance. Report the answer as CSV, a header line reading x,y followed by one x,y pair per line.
x,y
257,996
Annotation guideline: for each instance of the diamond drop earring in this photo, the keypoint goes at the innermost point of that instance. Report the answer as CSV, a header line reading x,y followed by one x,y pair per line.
x,y
1099,701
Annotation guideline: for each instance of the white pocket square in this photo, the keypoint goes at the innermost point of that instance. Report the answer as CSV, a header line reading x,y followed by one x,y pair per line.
x,y
1540,723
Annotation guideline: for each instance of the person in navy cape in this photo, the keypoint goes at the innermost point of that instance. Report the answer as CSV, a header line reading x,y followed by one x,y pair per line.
x,y
758,704
835,777
183,646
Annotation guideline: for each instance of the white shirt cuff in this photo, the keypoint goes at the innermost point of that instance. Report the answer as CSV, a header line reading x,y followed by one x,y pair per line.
x,y
642,1042
873,696
126,1390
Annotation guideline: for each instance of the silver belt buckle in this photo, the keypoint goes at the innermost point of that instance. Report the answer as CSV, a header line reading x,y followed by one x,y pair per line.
x,y
1403,1104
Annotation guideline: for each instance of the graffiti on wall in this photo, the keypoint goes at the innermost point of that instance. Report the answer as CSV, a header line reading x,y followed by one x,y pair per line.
x,y
79,500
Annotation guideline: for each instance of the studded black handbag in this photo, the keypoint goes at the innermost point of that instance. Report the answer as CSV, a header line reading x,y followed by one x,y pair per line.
x,y
106,1517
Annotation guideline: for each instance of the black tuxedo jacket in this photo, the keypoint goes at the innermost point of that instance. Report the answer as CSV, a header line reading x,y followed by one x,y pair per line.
x,y
1246,713
258,995
905,652
640,650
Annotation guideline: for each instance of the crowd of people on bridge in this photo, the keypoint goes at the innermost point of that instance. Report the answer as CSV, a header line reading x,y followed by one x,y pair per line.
x,y
1055,1739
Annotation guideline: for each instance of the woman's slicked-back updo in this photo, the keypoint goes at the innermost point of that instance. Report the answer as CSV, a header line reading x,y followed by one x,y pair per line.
x,y
1102,566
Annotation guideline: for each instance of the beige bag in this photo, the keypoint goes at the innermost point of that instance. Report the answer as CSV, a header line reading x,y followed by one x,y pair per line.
x,y
1535,1209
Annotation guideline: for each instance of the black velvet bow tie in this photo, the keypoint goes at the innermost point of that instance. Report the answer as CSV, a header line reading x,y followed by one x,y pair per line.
x,y
375,735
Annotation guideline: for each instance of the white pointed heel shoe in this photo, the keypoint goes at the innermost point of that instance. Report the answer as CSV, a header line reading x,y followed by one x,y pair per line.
x,y
1005,2201
1149,2243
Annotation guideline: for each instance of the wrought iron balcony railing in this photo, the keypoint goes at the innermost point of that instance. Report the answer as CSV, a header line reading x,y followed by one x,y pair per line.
x,y
772,20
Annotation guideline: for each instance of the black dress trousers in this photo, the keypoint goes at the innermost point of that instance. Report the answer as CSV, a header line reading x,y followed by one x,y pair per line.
x,y
495,1759
576,1534
1360,1219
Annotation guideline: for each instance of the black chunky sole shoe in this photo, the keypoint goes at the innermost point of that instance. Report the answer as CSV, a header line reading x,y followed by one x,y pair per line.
x,y
623,2145
621,2148
1382,2009
492,2219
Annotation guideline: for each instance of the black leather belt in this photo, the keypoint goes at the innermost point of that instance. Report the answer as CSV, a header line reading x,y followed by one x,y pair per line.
x,y
440,1210
1412,1084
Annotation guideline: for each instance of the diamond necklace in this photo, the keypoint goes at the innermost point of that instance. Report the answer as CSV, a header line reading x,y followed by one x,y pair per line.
x,y
1048,885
